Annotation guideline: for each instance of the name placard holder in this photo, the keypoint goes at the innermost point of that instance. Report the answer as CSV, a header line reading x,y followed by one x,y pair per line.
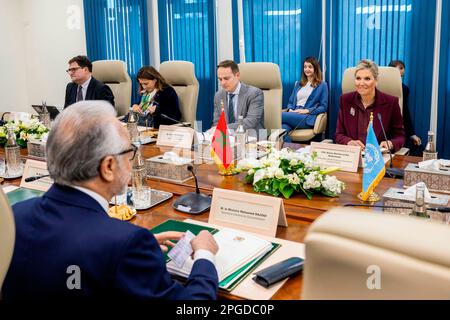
x,y
34,168
174,136
344,157
248,212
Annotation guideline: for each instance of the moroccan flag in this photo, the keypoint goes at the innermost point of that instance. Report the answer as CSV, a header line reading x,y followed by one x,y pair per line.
x,y
220,145
373,164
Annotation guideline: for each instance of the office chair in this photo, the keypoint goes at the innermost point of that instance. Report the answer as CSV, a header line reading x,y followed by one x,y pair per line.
x,y
358,254
181,76
389,81
114,74
7,236
266,76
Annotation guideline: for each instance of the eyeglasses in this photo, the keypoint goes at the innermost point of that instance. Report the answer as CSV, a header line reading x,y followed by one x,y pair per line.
x,y
72,69
132,149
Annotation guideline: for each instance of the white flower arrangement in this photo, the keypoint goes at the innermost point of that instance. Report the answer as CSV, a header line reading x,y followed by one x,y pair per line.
x,y
285,172
30,129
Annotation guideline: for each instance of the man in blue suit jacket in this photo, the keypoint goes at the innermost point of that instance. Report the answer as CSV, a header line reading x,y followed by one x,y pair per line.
x,y
67,245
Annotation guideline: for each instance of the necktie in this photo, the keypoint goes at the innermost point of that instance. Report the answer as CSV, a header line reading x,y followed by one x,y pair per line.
x,y
231,118
80,93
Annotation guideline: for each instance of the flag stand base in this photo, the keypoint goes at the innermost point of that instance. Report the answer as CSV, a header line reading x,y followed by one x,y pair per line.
x,y
374,197
230,172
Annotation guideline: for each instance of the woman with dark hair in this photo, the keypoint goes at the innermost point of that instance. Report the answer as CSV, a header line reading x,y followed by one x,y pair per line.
x,y
309,98
158,98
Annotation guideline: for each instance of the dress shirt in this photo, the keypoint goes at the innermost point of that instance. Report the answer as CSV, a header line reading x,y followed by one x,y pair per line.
x,y
303,94
94,195
235,100
84,87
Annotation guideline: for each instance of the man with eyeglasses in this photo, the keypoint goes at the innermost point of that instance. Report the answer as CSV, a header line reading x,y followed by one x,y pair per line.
x,y
83,85
66,244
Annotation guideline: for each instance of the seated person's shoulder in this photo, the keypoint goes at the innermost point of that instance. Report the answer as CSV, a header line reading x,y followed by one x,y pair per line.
x,y
389,98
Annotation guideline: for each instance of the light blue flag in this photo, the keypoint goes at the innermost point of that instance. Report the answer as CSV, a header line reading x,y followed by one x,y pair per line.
x,y
373,164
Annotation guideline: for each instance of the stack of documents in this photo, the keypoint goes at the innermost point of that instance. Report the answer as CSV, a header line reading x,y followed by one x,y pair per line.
x,y
238,253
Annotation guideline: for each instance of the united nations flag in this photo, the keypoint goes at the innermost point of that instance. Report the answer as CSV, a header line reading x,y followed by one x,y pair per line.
x,y
373,164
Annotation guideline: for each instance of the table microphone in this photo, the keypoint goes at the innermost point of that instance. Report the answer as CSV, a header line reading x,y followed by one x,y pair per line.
x,y
193,202
34,178
174,120
390,172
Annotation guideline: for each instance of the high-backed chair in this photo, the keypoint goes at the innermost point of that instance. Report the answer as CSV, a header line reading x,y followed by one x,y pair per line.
x,y
181,76
114,73
266,76
357,254
7,236
389,81
302,135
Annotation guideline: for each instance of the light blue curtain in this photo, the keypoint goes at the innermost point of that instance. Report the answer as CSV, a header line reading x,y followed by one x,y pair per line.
x,y
187,32
283,32
383,30
117,30
443,132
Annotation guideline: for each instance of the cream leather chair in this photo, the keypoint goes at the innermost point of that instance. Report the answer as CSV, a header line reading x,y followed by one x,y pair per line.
x,y
181,76
389,81
349,251
266,76
7,236
114,73
303,135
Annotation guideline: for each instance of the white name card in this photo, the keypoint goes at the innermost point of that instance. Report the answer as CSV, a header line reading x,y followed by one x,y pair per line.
x,y
174,136
344,157
34,168
246,211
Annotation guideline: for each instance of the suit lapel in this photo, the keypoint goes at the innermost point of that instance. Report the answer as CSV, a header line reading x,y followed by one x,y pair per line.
x,y
241,99
90,89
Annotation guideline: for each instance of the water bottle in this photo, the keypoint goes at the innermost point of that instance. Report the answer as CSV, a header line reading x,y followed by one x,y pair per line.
x,y
132,127
240,139
12,154
140,189
430,152
420,209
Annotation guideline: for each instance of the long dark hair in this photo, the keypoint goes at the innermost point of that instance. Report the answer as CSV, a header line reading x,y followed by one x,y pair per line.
x,y
150,73
317,72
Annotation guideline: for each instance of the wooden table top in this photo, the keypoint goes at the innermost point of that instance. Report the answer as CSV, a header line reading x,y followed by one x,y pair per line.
x,y
300,211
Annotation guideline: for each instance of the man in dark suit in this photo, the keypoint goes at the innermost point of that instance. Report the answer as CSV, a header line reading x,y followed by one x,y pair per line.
x,y
83,85
66,244
238,99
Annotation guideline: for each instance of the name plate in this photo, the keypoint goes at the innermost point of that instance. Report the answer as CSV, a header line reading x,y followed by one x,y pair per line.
x,y
246,211
344,157
34,168
174,136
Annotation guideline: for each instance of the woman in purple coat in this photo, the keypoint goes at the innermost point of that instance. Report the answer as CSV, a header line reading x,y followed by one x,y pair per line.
x,y
356,107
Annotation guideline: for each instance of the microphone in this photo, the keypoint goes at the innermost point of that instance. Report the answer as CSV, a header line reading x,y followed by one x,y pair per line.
x,y
182,124
34,178
436,209
193,202
174,120
390,172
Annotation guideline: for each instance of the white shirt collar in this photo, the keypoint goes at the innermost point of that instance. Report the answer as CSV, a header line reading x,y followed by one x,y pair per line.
x,y
102,201
86,83
238,88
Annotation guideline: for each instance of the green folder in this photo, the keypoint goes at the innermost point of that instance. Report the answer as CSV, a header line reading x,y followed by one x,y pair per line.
x,y
22,194
230,282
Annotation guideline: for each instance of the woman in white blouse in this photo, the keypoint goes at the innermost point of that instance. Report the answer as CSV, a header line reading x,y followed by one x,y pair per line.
x,y
308,99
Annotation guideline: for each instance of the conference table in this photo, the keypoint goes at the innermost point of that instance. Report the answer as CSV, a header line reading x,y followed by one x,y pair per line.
x,y
300,211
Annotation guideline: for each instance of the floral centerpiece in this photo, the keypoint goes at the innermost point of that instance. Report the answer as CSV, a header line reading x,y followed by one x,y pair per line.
x,y
286,172
31,129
